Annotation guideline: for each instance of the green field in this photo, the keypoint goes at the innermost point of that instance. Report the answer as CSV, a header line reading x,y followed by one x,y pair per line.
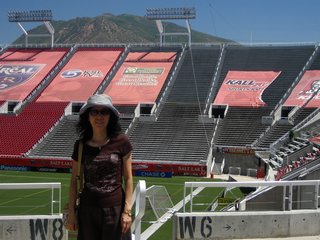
x,y
37,201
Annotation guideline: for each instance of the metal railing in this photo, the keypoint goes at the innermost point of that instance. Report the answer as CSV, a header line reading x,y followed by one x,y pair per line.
x,y
263,187
52,186
139,199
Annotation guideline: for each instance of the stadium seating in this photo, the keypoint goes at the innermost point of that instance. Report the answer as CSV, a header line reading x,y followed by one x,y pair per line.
x,y
278,130
241,126
19,133
59,142
195,76
177,134
288,60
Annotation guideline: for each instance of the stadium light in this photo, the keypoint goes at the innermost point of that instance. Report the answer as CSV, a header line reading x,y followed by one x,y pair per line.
x,y
159,14
30,16
44,16
171,13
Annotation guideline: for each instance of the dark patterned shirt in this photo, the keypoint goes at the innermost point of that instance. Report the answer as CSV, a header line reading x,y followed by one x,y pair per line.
x,y
103,171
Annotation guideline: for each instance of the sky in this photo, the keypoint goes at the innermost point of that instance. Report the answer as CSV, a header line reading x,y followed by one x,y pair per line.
x,y
244,21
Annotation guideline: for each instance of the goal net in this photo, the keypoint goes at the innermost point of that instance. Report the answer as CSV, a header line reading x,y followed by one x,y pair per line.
x,y
158,203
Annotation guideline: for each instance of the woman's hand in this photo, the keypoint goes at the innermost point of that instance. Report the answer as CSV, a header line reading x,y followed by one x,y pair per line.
x,y
72,222
125,222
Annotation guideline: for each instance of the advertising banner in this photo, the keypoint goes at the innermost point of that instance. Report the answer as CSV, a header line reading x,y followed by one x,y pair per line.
x,y
307,87
18,76
81,76
139,81
244,88
166,168
139,168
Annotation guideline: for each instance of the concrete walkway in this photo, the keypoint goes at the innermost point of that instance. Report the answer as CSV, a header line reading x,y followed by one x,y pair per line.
x,y
286,238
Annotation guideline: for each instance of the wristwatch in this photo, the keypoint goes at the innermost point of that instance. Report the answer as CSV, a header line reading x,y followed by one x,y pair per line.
x,y
128,211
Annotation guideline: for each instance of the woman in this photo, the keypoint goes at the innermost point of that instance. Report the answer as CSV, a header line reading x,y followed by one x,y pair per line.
x,y
105,208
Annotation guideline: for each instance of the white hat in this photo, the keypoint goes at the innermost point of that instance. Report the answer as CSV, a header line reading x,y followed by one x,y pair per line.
x,y
99,100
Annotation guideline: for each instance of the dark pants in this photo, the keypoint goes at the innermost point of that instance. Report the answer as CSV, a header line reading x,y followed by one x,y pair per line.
x,y
100,223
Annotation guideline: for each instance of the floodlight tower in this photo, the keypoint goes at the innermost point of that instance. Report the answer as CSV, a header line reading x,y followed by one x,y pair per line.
x,y
159,14
44,16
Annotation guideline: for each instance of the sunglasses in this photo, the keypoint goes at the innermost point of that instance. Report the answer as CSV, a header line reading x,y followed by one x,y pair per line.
x,y
103,112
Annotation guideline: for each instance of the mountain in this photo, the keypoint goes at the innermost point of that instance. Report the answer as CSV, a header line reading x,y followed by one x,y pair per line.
x,y
108,28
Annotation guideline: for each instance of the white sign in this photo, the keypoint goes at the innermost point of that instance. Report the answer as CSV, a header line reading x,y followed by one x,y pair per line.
x,y
32,229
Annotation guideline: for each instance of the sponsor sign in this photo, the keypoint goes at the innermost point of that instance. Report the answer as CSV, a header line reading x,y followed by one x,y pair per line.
x,y
137,70
244,88
139,81
14,75
76,73
14,168
82,75
231,150
134,76
307,88
166,168
35,163
175,169
153,174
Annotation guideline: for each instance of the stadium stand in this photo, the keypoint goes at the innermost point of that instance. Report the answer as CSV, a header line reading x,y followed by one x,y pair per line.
x,y
176,127
286,59
58,142
173,106
277,130
62,147
177,135
19,133
195,76
94,70
241,126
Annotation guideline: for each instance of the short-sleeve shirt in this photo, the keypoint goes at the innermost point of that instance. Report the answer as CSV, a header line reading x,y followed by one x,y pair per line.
x,y
103,171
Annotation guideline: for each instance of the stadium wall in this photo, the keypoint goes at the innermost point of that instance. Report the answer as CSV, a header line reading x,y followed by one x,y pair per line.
x,y
64,165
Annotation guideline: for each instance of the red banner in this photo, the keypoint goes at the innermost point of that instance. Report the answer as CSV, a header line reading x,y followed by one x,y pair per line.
x,y
175,169
35,162
22,71
315,140
305,89
139,81
81,76
244,88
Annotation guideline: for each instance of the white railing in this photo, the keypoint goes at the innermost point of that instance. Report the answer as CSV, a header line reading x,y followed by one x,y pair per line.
x,y
52,186
266,184
139,199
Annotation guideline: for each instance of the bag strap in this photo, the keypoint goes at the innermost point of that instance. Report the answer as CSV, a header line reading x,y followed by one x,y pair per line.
x,y
80,168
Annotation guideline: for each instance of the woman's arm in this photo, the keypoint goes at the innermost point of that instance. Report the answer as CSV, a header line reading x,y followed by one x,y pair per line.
x,y
128,188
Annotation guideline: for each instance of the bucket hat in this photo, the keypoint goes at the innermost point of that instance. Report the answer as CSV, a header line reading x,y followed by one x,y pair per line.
x,y
99,100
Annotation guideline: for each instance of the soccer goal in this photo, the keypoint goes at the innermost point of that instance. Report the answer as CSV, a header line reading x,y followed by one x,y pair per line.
x,y
158,203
